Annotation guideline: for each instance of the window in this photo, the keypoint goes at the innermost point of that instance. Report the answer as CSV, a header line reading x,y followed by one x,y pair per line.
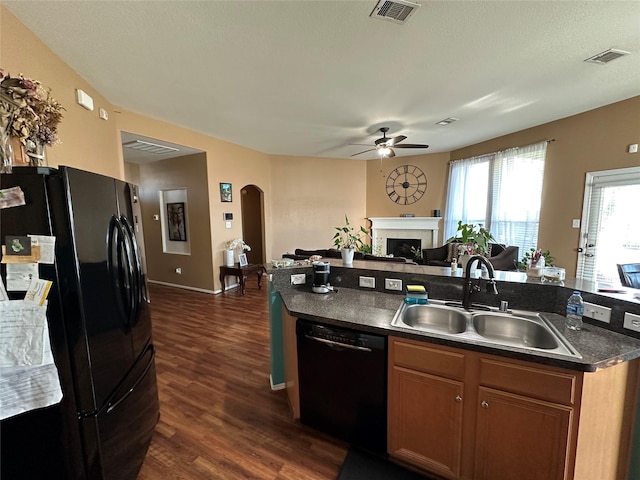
x,y
501,191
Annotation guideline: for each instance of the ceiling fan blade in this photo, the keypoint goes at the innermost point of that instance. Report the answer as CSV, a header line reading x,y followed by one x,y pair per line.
x,y
411,145
396,140
364,151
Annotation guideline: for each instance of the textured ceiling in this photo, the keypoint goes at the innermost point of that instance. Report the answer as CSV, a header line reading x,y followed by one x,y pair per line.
x,y
309,78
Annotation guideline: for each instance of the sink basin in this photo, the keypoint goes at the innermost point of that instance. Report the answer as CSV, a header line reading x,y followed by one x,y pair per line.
x,y
512,330
519,329
434,318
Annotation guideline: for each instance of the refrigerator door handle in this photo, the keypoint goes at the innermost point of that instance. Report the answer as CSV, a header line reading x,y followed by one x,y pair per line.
x,y
130,288
116,399
137,282
113,262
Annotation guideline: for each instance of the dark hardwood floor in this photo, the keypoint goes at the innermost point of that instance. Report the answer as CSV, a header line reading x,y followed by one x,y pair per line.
x,y
219,418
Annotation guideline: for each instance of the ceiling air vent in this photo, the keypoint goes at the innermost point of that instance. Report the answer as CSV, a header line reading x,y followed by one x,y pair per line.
x,y
607,56
149,147
397,11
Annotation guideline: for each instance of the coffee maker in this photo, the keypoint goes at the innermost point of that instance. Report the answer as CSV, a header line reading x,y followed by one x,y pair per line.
x,y
321,277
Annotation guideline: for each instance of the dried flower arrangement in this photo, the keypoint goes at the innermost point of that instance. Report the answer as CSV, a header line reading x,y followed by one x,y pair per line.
x,y
28,112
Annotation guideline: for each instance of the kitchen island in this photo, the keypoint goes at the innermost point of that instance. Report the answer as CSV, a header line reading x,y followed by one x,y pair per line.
x,y
572,415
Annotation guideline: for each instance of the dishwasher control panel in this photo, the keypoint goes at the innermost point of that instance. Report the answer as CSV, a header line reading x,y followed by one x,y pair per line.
x,y
343,336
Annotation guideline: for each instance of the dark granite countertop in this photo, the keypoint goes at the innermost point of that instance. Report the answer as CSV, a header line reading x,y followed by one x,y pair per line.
x,y
373,312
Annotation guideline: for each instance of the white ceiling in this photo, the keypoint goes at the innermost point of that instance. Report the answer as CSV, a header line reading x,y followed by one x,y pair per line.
x,y
309,78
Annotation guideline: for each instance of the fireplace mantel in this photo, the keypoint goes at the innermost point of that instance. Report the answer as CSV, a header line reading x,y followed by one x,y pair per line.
x,y
423,228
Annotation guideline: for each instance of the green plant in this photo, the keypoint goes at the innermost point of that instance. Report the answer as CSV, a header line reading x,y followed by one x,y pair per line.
x,y
417,254
549,260
348,237
475,237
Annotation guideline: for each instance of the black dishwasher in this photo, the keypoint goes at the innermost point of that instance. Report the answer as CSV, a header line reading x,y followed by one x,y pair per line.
x,y
342,381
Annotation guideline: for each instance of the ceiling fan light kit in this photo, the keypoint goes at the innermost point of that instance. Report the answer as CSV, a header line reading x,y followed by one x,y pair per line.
x,y
383,145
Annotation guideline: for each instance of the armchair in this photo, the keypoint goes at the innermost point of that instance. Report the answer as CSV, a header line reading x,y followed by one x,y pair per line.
x,y
629,274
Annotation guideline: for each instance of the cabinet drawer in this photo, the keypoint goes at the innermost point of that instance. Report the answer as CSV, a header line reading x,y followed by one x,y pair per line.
x,y
558,387
418,356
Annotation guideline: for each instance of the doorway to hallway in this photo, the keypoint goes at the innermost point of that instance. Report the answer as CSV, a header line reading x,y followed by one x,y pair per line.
x,y
252,206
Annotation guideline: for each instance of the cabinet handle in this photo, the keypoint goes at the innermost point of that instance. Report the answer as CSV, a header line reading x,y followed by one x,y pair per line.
x,y
484,404
458,398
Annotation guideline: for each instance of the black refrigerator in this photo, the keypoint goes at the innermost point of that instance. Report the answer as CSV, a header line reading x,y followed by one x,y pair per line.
x,y
99,326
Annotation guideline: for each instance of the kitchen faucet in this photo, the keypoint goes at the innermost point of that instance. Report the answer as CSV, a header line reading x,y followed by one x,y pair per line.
x,y
469,289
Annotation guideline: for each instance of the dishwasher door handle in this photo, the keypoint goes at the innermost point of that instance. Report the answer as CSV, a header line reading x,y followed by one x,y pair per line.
x,y
338,344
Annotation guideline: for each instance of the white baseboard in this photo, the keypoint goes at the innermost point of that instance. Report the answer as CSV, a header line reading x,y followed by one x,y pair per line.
x,y
280,386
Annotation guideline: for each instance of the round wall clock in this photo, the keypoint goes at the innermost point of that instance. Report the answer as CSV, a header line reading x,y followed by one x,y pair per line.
x,y
406,184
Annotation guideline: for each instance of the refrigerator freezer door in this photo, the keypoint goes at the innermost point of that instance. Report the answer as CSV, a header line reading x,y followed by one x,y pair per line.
x,y
123,442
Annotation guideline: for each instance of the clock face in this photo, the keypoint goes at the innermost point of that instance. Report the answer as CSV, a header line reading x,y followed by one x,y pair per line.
x,y
406,184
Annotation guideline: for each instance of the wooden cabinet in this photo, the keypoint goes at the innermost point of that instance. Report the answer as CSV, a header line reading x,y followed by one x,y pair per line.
x,y
425,409
520,438
465,415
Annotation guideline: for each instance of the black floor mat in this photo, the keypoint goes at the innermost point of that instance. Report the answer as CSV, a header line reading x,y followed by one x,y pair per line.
x,y
359,465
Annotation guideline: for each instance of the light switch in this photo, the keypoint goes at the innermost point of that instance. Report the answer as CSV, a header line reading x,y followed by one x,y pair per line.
x,y
575,223
227,224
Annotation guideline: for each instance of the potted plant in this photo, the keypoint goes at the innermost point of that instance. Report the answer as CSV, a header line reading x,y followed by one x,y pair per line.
x,y
474,240
348,240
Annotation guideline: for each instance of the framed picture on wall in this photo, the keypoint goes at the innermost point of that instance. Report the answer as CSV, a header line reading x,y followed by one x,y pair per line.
x,y
242,258
225,192
176,222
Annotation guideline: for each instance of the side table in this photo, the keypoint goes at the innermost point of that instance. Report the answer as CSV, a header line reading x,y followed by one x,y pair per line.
x,y
241,274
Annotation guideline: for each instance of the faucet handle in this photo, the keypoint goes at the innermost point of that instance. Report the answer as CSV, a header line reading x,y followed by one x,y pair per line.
x,y
504,306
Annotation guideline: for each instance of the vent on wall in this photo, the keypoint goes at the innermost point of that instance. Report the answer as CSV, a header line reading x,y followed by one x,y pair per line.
x,y
149,147
607,56
397,11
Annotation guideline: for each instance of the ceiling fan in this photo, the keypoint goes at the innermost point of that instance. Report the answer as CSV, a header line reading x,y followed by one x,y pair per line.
x,y
383,145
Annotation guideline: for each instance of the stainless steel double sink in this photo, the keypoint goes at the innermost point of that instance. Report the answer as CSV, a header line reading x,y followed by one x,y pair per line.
x,y
527,330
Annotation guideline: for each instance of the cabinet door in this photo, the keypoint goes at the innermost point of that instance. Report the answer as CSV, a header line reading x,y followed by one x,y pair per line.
x,y
425,421
519,438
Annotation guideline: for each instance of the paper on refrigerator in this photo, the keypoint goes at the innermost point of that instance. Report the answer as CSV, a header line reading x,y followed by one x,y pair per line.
x,y
28,375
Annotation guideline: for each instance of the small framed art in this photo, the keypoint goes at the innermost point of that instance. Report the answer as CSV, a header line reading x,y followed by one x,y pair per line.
x,y
225,192
242,258
176,222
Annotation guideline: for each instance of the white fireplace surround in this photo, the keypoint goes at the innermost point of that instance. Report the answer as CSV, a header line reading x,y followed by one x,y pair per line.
x,y
423,228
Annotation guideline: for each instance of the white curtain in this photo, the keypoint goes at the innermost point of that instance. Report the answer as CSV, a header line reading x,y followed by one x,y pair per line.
x,y
467,195
516,193
500,191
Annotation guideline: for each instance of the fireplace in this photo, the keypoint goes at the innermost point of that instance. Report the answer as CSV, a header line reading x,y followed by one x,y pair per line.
x,y
401,247
423,229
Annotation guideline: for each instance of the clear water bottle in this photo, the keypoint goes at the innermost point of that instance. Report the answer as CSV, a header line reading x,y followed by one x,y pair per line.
x,y
575,310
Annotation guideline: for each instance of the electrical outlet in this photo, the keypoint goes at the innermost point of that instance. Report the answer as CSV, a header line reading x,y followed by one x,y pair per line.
x,y
597,312
367,282
632,321
179,271
298,279
393,284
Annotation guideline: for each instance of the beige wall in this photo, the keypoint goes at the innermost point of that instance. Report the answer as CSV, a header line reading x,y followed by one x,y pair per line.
x,y
188,172
435,166
591,141
310,197
305,198
226,162
87,142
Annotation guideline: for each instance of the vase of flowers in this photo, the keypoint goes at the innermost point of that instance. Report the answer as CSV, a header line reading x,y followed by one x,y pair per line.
x,y
29,119
230,249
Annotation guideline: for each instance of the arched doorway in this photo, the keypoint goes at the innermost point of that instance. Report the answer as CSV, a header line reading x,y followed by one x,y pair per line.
x,y
252,206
